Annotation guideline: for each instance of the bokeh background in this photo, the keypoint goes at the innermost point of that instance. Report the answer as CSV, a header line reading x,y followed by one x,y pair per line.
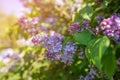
x,y
19,59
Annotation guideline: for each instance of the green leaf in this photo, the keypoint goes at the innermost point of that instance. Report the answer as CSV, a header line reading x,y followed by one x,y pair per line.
x,y
77,17
82,38
105,4
109,63
96,49
87,49
84,13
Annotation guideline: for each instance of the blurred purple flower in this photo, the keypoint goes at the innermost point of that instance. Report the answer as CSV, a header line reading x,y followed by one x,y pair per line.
x,y
74,27
89,76
81,78
53,44
39,40
85,23
9,58
99,19
7,55
68,53
23,22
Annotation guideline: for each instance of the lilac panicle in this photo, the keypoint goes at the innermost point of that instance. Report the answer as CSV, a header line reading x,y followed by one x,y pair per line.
x,y
111,27
86,26
85,23
23,22
54,48
74,27
39,40
29,25
68,53
52,43
89,76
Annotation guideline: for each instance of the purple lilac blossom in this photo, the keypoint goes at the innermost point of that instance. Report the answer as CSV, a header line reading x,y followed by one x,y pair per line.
x,y
89,76
111,27
74,27
7,55
81,78
86,25
39,40
23,22
54,48
53,45
10,59
29,25
99,18
68,53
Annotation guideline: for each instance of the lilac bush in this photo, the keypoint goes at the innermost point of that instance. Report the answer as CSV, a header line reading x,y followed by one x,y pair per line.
x,y
66,38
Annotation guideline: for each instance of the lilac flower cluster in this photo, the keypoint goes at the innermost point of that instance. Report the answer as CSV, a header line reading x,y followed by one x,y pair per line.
x,y
90,76
68,53
29,25
53,45
111,27
10,59
54,48
99,18
7,55
74,27
39,40
86,25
